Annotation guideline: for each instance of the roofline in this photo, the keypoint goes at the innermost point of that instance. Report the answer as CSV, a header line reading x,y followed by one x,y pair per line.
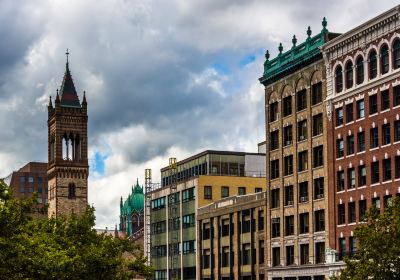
x,y
206,152
341,38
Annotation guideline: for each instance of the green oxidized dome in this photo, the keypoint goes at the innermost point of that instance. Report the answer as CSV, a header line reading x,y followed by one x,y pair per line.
x,y
135,201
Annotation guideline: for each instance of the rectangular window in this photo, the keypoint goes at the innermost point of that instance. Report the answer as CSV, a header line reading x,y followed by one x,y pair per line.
x,y
397,167
341,214
387,201
225,227
352,245
189,246
287,106
387,169
304,223
374,141
225,256
339,148
289,255
276,256
303,193
288,195
274,137
376,201
349,113
362,176
289,225
224,192
275,227
22,179
158,203
30,179
188,195
339,116
206,231
301,100
288,165
350,144
352,212
206,258
316,93
351,178
319,188
396,96
258,190
275,169
318,156
260,220
273,112
188,221
340,181
242,191
304,254
396,130
361,141
261,252
318,126
385,101
319,252
375,172
362,209
360,109
275,198
319,220
386,134
373,104
207,192
342,248
175,223
287,135
303,161
302,130
158,227
246,254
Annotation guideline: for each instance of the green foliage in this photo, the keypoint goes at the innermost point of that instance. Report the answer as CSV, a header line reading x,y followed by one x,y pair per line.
x,y
61,248
378,254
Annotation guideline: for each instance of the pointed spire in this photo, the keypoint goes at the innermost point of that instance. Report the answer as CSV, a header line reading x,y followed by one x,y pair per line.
x,y
50,103
84,103
121,203
69,97
57,98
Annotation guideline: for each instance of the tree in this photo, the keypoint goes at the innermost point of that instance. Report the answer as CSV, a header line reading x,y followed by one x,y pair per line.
x,y
61,248
378,253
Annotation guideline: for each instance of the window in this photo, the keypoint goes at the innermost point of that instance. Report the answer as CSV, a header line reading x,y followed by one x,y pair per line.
x,y
288,195
387,201
362,209
387,169
396,131
373,65
288,165
302,130
188,195
342,248
352,244
189,246
304,253
352,212
258,190
396,54
158,227
289,225
303,161
274,143
374,137
359,70
260,220
319,252
22,179
351,178
158,203
361,141
175,223
316,93
206,258
339,116
301,100
276,256
339,79
207,192
396,96
349,74
349,113
225,227
273,112
319,220
275,198
245,221
287,135
350,144
304,223
30,179
159,251
224,192
275,169
360,109
289,255
385,101
40,190
384,59
225,256
303,186
246,254
206,231
386,134
319,188
339,148
362,176
287,106
317,125
241,190
275,227
373,104
341,214
261,252
188,221
376,202
375,172
397,167
71,191
340,181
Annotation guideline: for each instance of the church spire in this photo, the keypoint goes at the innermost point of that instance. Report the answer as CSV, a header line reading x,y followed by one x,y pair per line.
x,y
69,97
50,103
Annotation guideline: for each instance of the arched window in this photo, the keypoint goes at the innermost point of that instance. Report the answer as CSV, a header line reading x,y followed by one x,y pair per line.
x,y
396,54
339,79
373,65
384,59
70,147
359,70
64,145
77,149
71,191
349,74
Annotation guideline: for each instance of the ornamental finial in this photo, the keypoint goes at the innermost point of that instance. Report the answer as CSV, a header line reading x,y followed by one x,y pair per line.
x,y
294,40
280,48
309,31
267,55
324,23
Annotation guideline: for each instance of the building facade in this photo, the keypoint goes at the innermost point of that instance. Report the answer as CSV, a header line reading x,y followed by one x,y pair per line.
x,y
68,168
363,101
230,238
195,182
296,234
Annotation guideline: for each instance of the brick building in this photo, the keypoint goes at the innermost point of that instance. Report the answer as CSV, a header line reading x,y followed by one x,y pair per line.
x,y
363,105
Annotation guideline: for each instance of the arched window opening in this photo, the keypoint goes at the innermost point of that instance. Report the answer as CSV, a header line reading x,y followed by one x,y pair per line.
x,y
70,147
373,65
339,79
396,54
77,149
360,70
349,75
384,59
71,190
64,145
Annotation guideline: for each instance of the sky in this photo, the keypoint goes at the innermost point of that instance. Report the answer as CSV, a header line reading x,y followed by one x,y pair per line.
x,y
162,78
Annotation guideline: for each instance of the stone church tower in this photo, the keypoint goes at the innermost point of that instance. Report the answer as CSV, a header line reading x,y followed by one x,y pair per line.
x,y
68,168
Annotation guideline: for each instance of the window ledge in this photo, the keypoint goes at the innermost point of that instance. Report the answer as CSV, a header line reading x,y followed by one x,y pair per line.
x,y
395,107
362,187
387,182
352,189
302,141
340,192
303,171
351,122
340,158
376,184
352,224
396,180
339,126
373,149
342,225
352,155
386,145
360,119
316,136
319,199
374,114
384,111
363,152
397,142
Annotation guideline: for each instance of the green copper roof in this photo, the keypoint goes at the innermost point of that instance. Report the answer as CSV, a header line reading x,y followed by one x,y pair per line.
x,y
297,55
134,202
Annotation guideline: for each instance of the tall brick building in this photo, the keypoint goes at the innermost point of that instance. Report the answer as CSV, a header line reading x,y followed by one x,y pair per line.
x,y
68,168
363,105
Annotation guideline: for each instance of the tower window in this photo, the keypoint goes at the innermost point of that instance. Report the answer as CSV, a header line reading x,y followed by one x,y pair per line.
x,y
71,191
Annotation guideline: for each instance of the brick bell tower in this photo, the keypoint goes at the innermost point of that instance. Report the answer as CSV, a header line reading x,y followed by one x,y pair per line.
x,y
68,169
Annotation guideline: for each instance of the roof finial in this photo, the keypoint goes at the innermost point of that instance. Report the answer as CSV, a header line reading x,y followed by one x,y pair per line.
x,y
267,55
294,40
67,53
280,48
57,98
84,103
50,103
309,32
324,24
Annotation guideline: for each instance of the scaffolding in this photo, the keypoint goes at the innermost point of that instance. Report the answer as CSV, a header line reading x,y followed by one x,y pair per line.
x,y
147,234
173,204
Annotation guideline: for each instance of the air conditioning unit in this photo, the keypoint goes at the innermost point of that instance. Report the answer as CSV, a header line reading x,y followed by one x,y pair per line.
x,y
288,142
290,202
320,196
302,137
304,199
